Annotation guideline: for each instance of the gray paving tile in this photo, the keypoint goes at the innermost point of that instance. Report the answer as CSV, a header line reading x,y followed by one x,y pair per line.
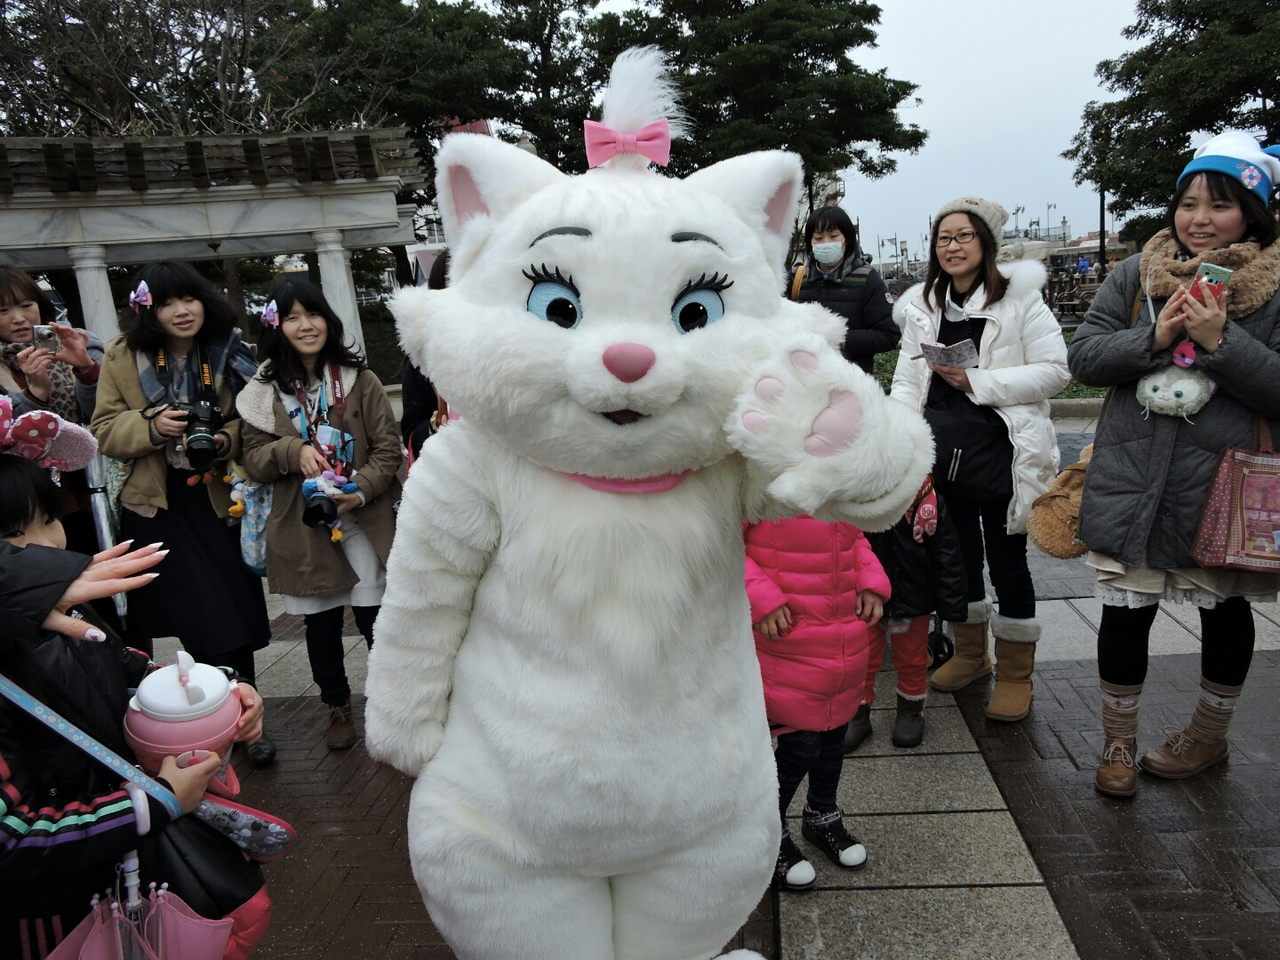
x,y
887,688
944,732
983,923
913,784
943,849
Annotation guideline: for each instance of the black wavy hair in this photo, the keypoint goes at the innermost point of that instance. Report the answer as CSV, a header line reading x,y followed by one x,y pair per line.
x,y
937,280
27,495
16,286
282,363
1260,225
827,218
169,280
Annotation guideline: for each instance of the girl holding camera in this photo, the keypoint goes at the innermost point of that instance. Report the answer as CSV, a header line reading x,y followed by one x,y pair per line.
x,y
172,375
313,409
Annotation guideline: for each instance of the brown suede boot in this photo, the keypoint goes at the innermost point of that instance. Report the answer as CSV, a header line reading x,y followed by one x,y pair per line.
x,y
971,661
341,734
1116,775
1015,661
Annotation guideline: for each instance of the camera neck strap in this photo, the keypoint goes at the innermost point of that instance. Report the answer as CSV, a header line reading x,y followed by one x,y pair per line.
x,y
203,371
338,409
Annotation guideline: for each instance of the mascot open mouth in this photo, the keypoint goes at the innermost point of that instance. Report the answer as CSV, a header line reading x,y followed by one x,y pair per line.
x,y
623,417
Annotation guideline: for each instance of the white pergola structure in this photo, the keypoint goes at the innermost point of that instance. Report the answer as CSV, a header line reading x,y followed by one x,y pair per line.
x,y
90,203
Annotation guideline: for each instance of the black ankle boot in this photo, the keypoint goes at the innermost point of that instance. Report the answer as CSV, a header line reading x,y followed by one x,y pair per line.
x,y
859,729
908,728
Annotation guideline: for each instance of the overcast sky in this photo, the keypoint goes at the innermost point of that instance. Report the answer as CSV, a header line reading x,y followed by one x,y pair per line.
x,y
1002,85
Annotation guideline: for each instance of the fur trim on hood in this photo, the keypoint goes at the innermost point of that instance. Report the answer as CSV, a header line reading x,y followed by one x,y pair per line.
x,y
1025,277
256,402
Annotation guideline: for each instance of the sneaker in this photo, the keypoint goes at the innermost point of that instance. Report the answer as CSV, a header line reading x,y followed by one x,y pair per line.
x,y
342,731
261,752
859,729
1183,756
826,832
793,871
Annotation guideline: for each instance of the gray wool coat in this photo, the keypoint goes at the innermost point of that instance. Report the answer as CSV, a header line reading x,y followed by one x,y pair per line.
x,y
1149,476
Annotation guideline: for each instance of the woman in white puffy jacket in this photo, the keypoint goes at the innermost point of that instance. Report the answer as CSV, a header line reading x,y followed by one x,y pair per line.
x,y
996,447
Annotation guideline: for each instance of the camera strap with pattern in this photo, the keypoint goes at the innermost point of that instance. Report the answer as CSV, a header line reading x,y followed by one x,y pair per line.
x,y
312,422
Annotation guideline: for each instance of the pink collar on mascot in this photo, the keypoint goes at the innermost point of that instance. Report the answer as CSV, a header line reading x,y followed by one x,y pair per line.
x,y
668,481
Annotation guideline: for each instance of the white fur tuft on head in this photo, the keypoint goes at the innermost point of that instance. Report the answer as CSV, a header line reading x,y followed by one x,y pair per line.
x,y
640,91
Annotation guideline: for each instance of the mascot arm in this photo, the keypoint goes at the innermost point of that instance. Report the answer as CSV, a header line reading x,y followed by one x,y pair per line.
x,y
821,438
446,533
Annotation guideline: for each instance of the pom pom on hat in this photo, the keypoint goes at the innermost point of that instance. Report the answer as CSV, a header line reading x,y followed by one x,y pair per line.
x,y
988,211
1238,155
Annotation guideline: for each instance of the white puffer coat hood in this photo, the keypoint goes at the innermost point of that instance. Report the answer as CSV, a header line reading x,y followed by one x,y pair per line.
x,y
1022,362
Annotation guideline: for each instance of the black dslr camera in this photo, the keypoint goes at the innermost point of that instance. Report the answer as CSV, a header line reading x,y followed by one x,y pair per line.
x,y
204,419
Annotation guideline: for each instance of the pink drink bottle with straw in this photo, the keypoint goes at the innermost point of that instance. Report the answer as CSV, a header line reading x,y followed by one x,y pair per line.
x,y
182,708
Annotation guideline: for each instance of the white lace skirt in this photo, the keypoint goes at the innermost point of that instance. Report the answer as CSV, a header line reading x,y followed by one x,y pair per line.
x,y
1121,586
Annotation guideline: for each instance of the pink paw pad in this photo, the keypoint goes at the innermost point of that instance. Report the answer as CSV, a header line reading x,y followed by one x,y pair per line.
x,y
804,360
755,421
769,388
836,427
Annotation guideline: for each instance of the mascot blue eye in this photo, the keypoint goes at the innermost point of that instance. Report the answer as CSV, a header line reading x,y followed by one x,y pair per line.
x,y
1178,394
696,309
556,302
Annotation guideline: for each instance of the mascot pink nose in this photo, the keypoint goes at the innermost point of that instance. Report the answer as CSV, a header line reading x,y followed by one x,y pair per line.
x,y
628,361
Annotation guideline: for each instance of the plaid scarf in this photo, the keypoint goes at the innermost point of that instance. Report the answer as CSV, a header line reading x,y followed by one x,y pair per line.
x,y
228,358
62,398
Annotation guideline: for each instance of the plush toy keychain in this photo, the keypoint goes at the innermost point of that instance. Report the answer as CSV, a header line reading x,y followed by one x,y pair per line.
x,y
1175,391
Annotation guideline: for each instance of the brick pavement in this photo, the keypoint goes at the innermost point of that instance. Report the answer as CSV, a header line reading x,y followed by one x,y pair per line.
x,y
346,890
1187,870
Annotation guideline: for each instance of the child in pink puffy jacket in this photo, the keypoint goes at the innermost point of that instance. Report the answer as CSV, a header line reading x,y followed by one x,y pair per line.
x,y
814,589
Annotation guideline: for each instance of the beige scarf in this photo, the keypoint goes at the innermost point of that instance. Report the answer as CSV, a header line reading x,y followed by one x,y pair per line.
x,y
1255,281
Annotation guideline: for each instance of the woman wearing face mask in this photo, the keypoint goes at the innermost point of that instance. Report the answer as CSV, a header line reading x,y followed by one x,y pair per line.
x,y
834,275
311,388
996,448
1150,473
182,347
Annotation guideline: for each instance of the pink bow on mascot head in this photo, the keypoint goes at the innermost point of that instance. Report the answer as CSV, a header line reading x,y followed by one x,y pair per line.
x,y
605,143
45,439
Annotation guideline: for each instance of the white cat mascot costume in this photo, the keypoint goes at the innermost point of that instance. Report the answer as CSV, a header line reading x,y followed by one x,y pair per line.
x,y
564,655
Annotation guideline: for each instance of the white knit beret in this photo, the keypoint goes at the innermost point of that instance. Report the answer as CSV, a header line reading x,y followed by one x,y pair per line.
x,y
988,211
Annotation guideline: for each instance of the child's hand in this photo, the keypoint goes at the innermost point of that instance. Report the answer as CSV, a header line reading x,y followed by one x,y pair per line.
x,y
870,607
189,783
249,727
776,624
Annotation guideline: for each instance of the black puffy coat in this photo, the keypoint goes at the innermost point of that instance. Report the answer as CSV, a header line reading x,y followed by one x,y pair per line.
x,y
926,577
857,293
419,400
65,820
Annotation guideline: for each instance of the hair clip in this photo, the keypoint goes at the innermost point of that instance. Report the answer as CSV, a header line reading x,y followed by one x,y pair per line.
x,y
271,315
141,297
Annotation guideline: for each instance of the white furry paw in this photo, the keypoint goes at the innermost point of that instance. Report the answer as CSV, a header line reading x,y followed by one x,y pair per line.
x,y
406,747
829,437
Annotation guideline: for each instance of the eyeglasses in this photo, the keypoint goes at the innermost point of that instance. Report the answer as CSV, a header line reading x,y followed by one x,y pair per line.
x,y
963,237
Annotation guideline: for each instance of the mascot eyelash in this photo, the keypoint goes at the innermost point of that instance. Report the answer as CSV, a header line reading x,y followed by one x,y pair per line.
x,y
715,284
541,274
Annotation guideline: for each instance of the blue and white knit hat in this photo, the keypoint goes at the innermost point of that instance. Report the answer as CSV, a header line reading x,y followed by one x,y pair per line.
x,y
1238,155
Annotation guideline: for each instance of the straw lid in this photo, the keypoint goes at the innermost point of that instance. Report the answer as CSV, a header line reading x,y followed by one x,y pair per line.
x,y
185,690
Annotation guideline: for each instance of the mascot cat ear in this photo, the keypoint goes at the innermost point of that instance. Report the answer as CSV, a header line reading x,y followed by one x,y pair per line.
x,y
764,188
481,179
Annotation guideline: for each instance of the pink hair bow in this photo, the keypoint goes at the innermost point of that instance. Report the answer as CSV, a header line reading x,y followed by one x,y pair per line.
x,y
45,439
141,297
605,143
271,315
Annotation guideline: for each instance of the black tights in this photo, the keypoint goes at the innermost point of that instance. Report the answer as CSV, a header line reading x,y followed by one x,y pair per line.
x,y
325,651
1226,646
817,754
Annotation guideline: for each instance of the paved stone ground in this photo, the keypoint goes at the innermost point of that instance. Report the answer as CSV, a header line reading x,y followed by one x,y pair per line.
x,y
1186,870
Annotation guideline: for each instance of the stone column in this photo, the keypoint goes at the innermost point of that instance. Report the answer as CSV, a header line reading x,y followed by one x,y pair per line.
x,y
339,285
90,263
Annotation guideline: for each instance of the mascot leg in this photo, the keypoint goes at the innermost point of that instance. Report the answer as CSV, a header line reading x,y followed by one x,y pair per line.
x,y
688,906
491,909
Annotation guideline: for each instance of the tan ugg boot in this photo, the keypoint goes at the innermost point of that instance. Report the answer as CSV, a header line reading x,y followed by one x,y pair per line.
x,y
971,661
1015,662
